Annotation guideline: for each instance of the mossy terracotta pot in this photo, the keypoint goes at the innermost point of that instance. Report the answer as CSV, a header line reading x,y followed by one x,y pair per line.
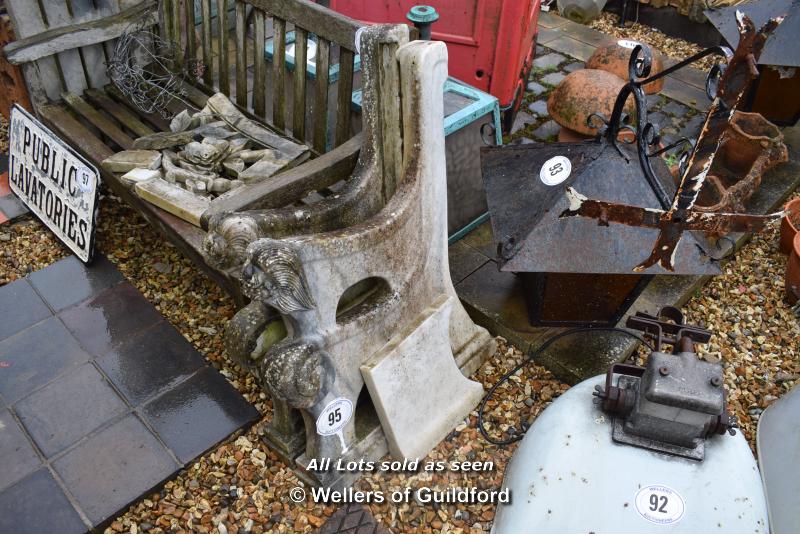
x,y
583,93
613,57
792,284
790,225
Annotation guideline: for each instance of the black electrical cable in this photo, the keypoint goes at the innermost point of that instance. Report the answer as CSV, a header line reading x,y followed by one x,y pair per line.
x,y
529,358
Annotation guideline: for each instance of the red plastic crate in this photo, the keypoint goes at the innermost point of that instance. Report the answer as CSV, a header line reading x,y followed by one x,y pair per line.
x,y
490,42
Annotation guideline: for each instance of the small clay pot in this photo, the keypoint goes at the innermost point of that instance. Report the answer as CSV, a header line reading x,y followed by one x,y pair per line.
x,y
790,225
582,93
614,56
792,281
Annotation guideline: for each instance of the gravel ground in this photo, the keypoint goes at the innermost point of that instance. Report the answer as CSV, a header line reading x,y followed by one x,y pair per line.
x,y
670,46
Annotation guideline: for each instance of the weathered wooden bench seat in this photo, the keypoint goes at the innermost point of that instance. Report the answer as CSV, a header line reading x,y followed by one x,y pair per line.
x,y
64,49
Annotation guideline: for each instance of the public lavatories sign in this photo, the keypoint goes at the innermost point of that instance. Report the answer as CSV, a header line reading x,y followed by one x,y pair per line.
x,y
54,181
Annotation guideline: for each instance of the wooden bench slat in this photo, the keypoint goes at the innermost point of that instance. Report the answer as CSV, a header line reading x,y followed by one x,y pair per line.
x,y
176,31
259,73
121,113
191,43
241,54
314,18
208,57
279,74
98,120
299,97
345,96
79,136
70,36
321,95
222,18
154,119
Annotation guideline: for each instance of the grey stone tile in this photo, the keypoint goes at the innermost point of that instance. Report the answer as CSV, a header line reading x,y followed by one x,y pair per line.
x,y
572,67
570,46
36,356
69,281
150,362
198,414
464,260
69,408
12,207
675,109
114,467
554,78
546,130
548,61
535,88
539,107
110,318
36,505
19,456
20,307
521,121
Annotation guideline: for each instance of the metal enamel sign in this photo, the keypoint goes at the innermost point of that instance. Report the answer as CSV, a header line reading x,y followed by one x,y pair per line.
x,y
55,182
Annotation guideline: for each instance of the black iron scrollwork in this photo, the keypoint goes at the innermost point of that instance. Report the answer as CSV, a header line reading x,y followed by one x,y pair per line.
x,y
646,134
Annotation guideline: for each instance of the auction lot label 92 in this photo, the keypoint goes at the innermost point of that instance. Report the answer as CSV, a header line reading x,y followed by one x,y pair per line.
x,y
56,183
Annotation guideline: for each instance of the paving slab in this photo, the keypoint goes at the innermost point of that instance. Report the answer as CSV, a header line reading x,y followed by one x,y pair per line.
x,y
197,414
20,307
539,107
86,360
37,505
69,408
548,61
535,88
19,456
114,467
83,283
36,356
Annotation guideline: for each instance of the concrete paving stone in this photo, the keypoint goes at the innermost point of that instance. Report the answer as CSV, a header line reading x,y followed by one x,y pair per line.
x,y
198,413
36,505
535,88
69,408
548,61
659,119
691,128
540,50
686,94
572,47
150,362
521,121
464,260
522,141
12,207
110,318
20,307
69,281
546,35
36,356
539,107
114,467
482,241
546,130
675,109
572,67
554,78
19,456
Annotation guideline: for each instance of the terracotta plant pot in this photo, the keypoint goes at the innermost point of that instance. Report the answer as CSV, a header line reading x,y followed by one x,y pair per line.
x,y
567,135
790,225
750,146
792,284
582,93
613,57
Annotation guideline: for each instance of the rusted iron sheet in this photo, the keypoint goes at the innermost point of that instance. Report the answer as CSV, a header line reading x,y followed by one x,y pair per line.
x,y
531,237
741,70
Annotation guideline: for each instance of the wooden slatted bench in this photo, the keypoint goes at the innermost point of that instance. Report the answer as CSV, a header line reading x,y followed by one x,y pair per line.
x,y
64,46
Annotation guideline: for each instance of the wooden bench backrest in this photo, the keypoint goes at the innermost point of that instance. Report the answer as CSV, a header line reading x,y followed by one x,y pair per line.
x,y
253,22
63,45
